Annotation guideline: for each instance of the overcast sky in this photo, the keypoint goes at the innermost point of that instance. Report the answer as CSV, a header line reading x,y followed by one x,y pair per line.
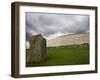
x,y
54,25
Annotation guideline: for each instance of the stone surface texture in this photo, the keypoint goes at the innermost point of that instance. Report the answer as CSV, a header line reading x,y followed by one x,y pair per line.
x,y
37,51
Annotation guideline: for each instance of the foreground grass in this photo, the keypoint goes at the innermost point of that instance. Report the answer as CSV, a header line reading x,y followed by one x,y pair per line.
x,y
72,55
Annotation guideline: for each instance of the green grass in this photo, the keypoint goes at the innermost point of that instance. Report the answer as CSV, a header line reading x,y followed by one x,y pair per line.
x,y
69,55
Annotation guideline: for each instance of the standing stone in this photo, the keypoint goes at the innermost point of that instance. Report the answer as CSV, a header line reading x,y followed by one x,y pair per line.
x,y
37,52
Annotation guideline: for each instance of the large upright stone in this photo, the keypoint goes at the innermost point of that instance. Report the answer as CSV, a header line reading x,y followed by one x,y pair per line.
x,y
37,52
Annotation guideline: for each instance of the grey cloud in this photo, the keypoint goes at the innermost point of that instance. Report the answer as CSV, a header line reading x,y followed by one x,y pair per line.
x,y
49,24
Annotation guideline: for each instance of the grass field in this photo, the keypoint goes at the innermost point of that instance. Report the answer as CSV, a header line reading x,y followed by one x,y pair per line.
x,y
69,55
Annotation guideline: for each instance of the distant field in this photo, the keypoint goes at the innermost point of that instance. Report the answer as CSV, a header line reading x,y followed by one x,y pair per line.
x,y
69,55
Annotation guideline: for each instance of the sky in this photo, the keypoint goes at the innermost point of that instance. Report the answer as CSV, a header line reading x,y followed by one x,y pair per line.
x,y
54,25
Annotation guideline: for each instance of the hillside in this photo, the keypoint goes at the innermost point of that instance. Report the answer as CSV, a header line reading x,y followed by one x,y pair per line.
x,y
73,39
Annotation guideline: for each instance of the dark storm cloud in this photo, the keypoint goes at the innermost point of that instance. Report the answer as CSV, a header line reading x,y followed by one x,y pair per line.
x,y
50,24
